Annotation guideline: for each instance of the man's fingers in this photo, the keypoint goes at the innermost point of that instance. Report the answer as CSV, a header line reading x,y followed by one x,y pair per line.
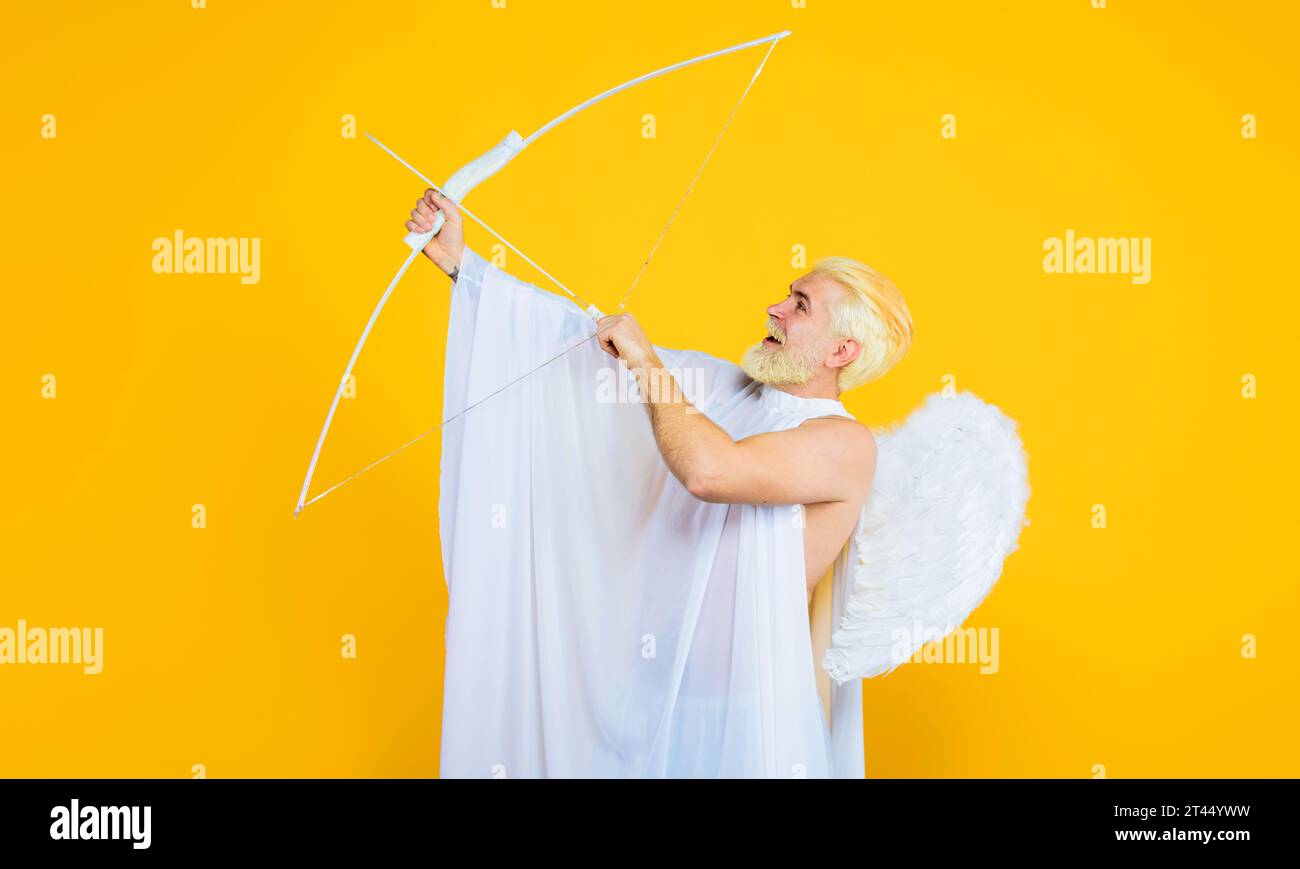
x,y
424,213
602,336
609,344
447,207
606,327
439,202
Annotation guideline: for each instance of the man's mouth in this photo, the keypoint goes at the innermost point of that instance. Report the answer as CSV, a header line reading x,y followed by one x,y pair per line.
x,y
769,340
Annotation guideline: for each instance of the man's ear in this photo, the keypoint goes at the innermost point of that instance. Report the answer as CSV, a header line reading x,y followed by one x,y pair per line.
x,y
844,352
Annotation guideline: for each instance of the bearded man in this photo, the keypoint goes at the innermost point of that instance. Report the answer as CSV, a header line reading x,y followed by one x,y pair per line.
x,y
624,584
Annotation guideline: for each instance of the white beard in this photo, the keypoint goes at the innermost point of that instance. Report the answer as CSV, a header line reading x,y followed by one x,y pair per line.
x,y
775,366
780,365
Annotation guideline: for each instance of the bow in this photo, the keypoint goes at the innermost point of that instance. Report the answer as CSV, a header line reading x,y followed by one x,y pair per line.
x,y
458,186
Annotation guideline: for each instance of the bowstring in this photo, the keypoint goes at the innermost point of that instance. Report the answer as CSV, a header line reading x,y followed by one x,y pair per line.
x,y
446,421
622,302
690,187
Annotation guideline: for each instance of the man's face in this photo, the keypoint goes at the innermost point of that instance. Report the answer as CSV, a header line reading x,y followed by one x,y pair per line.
x,y
799,339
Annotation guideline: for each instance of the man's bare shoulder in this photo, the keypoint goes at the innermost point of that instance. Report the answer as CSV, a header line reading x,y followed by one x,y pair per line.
x,y
849,432
851,445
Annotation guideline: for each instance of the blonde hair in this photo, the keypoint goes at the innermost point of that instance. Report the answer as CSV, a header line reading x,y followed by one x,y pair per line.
x,y
872,313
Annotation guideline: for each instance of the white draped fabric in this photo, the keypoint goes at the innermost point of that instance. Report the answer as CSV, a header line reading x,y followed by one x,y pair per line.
x,y
603,622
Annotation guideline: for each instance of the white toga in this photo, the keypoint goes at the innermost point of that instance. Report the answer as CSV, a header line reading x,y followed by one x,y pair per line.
x,y
603,622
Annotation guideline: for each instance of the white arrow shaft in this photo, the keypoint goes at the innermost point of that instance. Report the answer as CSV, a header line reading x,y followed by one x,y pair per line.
x,y
465,211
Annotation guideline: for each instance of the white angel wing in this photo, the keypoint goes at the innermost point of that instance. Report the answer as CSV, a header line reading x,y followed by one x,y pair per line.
x,y
946,508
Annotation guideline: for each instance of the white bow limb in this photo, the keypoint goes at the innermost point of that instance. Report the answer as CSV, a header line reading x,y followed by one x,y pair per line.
x,y
459,185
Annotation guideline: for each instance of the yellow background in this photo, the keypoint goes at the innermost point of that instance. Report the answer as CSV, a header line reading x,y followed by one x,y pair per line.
x,y
1119,646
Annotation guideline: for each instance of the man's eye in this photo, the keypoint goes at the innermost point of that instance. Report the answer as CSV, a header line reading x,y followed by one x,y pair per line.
x,y
800,306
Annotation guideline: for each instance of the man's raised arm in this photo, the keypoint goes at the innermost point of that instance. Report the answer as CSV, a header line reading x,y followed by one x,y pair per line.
x,y
823,460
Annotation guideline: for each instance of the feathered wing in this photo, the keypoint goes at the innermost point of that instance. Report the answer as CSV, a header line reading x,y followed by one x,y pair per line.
x,y
946,509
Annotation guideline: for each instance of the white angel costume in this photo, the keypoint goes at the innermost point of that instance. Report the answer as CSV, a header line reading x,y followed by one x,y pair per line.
x,y
603,622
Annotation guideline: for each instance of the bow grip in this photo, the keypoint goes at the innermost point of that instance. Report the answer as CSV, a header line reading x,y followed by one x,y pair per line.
x,y
466,178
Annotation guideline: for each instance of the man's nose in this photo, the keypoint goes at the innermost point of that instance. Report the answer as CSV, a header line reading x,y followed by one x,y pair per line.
x,y
774,311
